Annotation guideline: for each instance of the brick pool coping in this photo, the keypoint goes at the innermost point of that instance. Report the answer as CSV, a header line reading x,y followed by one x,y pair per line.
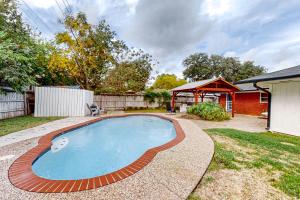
x,y
21,175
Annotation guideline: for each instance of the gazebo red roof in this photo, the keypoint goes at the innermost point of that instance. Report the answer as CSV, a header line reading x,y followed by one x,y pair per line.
x,y
209,85
201,88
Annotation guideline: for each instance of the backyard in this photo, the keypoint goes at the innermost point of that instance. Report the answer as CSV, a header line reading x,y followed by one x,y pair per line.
x,y
245,165
140,99
249,165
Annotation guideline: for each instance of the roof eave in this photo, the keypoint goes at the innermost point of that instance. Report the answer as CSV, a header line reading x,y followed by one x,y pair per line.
x,y
267,79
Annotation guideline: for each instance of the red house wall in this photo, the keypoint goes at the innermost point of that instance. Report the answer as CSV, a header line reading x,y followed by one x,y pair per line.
x,y
246,103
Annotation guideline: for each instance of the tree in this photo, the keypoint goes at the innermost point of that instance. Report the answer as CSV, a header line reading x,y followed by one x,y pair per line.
x,y
249,70
216,62
85,52
167,81
23,57
130,74
200,66
231,69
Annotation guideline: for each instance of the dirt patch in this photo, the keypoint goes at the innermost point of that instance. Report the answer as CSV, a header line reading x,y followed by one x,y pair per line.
x,y
231,144
232,184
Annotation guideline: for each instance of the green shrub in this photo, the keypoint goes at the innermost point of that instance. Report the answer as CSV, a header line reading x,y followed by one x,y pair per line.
x,y
150,96
159,96
166,96
209,111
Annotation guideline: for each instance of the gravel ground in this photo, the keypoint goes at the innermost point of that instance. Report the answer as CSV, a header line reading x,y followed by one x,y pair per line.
x,y
172,174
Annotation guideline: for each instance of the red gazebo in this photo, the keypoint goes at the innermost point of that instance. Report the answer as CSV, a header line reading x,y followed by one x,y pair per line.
x,y
201,88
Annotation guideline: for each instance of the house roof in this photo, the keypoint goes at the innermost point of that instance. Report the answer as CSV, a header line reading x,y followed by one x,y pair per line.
x,y
198,84
194,84
292,72
246,87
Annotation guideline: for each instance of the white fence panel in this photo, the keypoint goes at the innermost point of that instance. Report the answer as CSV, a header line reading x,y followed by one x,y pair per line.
x,y
56,101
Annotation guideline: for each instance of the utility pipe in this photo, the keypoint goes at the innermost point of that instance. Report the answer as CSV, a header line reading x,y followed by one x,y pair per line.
x,y
269,103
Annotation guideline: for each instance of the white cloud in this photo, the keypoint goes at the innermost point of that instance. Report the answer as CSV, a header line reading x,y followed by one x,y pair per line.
x,y
41,3
276,54
217,7
230,54
132,5
169,30
265,31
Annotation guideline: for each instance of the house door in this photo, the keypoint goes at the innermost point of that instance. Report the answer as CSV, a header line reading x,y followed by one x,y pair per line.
x,y
228,103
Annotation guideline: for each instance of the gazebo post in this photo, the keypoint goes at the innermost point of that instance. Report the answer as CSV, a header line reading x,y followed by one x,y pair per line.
x,y
233,103
196,97
202,96
173,101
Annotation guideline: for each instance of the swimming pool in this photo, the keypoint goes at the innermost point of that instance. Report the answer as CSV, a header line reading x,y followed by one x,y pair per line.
x,y
102,147
94,154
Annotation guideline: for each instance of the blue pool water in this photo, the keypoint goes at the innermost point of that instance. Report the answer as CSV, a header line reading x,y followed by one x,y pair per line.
x,y
102,147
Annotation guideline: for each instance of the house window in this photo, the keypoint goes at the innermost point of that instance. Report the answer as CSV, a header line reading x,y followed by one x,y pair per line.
x,y
263,98
228,102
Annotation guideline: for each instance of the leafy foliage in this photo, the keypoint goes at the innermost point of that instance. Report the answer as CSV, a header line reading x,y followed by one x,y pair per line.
x,y
85,52
151,96
161,96
209,111
95,59
167,81
200,66
166,96
130,75
23,57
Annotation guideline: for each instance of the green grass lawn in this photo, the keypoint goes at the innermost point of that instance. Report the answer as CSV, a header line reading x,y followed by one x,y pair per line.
x,y
278,155
156,110
19,123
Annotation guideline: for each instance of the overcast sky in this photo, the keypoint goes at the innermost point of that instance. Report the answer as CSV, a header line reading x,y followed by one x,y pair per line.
x,y
265,31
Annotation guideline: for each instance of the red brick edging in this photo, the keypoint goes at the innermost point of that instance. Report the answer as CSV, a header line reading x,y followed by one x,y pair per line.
x,y
21,175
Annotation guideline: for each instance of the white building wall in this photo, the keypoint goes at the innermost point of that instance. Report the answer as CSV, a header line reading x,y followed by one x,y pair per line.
x,y
55,101
285,107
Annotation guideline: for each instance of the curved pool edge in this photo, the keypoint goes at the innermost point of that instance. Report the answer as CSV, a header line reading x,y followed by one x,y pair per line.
x,y
21,175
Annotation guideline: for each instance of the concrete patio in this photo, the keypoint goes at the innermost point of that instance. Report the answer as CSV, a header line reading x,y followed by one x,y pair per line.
x,y
240,122
172,174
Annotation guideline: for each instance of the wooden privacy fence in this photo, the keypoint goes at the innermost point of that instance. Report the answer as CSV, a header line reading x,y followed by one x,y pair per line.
x,y
12,104
122,102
